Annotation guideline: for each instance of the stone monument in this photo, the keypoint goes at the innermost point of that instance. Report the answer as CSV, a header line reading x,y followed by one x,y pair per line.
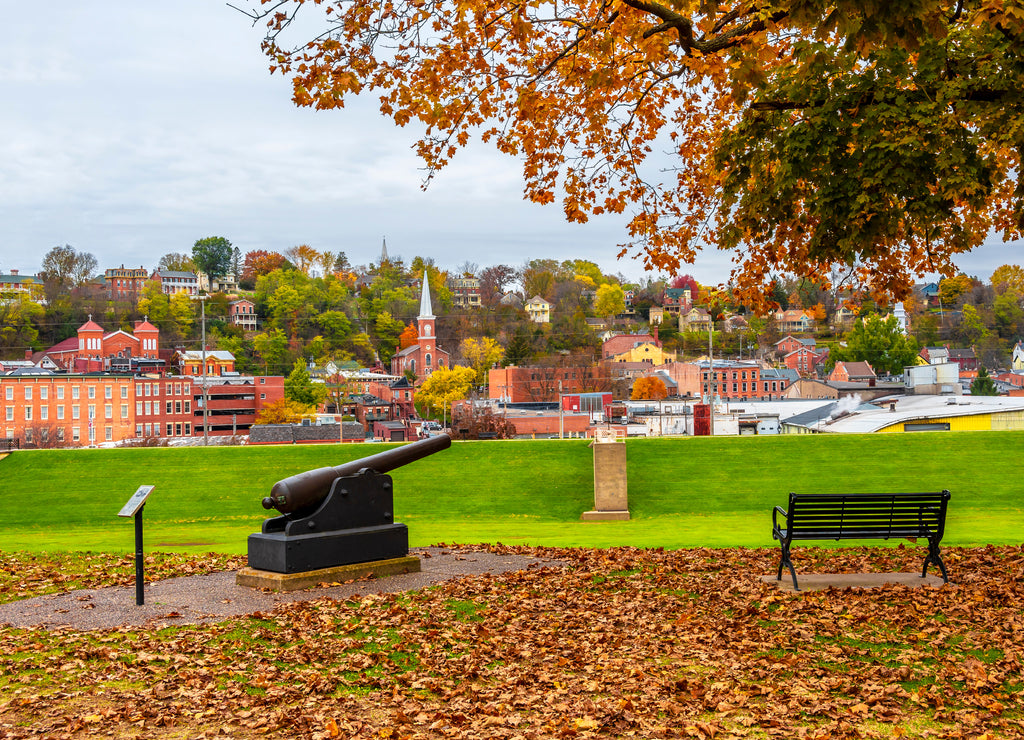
x,y
611,501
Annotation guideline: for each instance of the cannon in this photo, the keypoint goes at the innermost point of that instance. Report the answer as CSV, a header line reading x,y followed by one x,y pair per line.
x,y
337,515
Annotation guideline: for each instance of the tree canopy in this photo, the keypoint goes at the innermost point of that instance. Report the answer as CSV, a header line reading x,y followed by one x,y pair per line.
x,y
802,135
213,255
880,343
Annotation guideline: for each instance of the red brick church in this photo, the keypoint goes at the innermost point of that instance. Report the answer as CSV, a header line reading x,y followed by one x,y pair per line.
x,y
425,356
94,349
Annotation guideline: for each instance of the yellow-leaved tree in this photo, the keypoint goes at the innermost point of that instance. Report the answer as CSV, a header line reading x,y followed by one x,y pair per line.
x,y
481,354
442,388
798,135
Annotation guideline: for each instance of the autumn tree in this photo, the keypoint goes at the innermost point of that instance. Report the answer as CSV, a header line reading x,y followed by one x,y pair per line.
x,y
1008,278
65,268
649,388
176,262
493,280
442,388
610,300
212,255
302,256
804,134
481,354
282,411
260,262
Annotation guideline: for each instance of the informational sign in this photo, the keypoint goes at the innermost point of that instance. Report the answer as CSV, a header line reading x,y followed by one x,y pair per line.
x,y
136,501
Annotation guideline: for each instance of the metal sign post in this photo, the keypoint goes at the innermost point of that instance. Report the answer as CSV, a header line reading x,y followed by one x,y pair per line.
x,y
134,509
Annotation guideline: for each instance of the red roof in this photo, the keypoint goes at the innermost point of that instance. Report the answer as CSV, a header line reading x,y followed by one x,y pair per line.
x,y
90,325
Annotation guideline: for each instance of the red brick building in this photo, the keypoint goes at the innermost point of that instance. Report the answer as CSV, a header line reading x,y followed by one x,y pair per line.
x,y
41,409
94,350
125,283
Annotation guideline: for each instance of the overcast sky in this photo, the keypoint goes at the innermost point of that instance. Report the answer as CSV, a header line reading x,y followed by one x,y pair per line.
x,y
130,129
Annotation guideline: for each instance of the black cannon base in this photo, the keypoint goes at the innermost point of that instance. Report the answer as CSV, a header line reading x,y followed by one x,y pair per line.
x,y
279,553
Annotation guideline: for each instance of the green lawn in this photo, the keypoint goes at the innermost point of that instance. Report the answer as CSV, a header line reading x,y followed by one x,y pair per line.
x,y
683,492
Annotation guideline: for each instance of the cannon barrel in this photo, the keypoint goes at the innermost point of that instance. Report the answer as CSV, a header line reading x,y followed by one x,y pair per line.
x,y
304,489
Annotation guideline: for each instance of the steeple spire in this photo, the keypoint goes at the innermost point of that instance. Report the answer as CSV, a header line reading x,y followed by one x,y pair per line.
x,y
383,251
426,310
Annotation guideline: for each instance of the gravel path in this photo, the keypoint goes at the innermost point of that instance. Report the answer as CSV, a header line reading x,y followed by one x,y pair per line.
x,y
215,597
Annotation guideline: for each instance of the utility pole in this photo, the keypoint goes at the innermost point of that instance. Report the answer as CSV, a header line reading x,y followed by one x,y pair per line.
x,y
711,379
206,425
561,419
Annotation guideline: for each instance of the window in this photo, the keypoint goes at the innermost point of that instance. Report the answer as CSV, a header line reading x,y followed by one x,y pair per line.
x,y
149,408
146,387
177,389
170,430
44,393
263,396
108,411
75,412
167,389
92,411
10,393
138,430
108,391
108,433
188,407
124,391
74,392
177,429
262,381
124,411
60,393
60,413
76,435
177,407
92,391
138,408
92,434
44,413
149,430
10,413
60,434
140,388
28,435
170,407
188,389
188,429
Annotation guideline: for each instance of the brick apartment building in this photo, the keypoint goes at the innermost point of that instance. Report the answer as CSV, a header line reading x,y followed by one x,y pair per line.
x,y
521,384
124,283
44,409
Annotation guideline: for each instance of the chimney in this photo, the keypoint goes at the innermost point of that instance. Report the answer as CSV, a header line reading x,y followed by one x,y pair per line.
x,y
655,333
28,354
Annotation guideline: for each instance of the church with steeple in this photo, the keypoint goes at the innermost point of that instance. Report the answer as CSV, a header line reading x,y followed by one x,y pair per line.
x,y
425,356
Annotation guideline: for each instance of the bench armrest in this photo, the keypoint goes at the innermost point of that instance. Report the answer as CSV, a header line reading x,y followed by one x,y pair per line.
x,y
775,512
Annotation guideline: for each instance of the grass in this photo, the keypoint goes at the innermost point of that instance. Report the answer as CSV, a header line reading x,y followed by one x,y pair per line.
x,y
683,492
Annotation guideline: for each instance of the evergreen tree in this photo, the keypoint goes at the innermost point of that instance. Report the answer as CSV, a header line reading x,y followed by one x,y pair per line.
x,y
983,385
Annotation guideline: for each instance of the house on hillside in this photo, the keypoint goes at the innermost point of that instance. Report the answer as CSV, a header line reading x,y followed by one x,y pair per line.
x,y
539,310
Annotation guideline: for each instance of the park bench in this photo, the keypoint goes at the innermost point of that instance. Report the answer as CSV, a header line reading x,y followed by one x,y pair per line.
x,y
861,516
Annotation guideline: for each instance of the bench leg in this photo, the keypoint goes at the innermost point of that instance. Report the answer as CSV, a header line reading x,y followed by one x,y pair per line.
x,y
935,559
784,561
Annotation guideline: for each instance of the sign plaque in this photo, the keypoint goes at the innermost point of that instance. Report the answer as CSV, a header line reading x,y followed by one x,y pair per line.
x,y
136,501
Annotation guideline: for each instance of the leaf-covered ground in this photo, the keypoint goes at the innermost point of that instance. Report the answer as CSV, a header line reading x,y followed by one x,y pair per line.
x,y
621,643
